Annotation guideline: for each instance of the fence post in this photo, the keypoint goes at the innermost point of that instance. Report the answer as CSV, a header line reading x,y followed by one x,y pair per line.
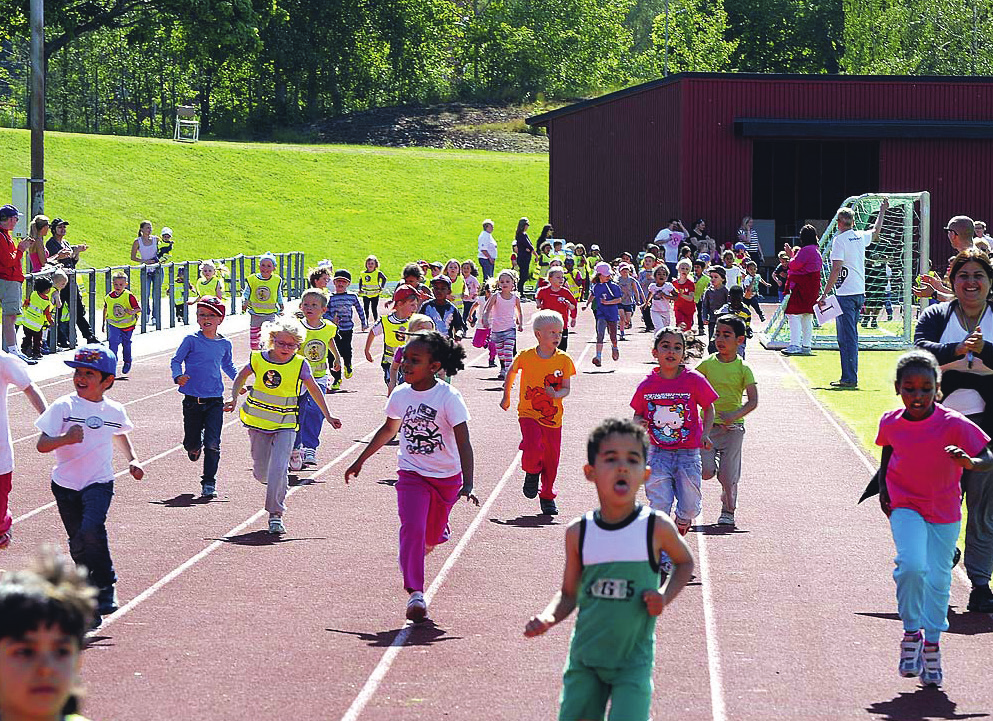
x,y
186,291
72,294
171,293
232,271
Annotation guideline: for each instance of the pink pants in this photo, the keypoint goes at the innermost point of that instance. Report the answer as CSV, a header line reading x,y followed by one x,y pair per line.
x,y
542,446
5,518
423,505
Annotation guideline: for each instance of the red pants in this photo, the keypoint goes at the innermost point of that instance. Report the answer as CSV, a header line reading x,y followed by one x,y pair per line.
x,y
541,446
5,518
684,318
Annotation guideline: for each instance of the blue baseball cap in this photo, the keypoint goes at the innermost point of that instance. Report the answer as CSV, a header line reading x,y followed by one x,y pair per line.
x,y
9,211
705,257
740,246
96,357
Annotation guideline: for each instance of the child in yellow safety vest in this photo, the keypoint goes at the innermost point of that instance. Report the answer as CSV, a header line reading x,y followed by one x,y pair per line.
x,y
262,297
271,410
36,316
392,328
120,311
371,284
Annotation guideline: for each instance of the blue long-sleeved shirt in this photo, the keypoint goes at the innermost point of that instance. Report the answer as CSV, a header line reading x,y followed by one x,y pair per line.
x,y
339,310
204,358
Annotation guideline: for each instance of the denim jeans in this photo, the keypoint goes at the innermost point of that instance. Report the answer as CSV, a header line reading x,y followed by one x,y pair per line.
x,y
486,265
151,293
202,422
117,337
84,515
311,419
675,477
848,336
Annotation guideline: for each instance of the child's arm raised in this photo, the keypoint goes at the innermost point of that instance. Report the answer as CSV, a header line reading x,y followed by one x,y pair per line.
x,y
123,443
668,540
466,459
318,396
385,433
47,443
564,601
508,384
237,386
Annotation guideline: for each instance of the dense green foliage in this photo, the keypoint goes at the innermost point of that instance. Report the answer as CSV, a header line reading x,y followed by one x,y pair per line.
x,y
256,68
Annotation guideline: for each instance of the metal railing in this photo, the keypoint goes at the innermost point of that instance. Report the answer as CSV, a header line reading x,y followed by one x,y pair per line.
x,y
86,281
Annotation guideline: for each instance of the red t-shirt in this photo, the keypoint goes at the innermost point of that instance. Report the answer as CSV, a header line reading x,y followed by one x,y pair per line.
x,y
10,259
687,286
671,407
560,300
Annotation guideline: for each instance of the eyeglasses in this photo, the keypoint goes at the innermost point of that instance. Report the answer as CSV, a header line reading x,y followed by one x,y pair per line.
x,y
291,345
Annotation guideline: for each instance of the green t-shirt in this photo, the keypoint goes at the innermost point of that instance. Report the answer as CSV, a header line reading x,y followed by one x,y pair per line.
x,y
729,380
702,283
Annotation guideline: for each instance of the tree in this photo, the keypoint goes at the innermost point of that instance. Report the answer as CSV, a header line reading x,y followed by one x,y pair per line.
x,y
697,30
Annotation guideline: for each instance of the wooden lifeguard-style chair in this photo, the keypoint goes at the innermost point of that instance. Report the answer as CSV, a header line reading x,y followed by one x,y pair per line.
x,y
187,124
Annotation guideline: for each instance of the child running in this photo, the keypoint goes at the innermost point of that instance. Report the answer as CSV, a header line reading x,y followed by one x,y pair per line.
x,y
120,309
669,403
262,297
470,289
685,290
925,447
612,564
730,376
504,316
736,307
205,355
607,296
391,327
271,410
661,293
546,377
371,285
435,459
45,612
341,305
482,338
645,277
631,295
555,296
418,323
209,284
83,477
446,315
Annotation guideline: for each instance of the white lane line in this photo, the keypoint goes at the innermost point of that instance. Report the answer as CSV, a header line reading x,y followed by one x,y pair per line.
x,y
870,464
189,563
383,667
718,709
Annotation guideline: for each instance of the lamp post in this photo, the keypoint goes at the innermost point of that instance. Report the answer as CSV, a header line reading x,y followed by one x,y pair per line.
x,y
665,58
37,106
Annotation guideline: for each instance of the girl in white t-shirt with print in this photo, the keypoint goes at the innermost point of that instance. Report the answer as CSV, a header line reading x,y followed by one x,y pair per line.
x,y
435,456
661,293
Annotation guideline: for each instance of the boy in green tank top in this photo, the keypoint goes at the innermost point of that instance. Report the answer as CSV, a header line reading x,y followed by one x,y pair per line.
x,y
612,576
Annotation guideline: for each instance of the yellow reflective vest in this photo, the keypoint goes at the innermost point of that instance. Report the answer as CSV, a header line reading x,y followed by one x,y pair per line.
x,y
391,340
34,316
117,309
205,288
317,346
263,293
273,402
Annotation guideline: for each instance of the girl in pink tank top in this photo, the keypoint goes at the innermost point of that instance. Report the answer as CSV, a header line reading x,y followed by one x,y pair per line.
x,y
504,316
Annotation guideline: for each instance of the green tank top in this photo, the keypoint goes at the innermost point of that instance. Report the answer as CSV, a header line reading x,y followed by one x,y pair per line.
x,y
613,626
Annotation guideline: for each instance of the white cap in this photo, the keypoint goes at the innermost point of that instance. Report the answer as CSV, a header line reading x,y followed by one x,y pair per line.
x,y
166,230
487,222
594,247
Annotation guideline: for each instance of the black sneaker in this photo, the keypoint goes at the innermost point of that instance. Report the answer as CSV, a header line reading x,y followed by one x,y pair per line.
x,y
107,600
981,599
956,557
548,507
530,485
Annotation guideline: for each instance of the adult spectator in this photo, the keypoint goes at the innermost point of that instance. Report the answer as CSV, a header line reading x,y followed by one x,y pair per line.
x,y
525,252
487,250
702,242
961,232
67,256
11,279
668,240
38,254
847,280
803,283
145,250
955,332
750,237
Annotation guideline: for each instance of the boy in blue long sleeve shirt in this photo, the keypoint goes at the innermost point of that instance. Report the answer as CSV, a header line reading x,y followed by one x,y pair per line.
x,y
341,305
205,354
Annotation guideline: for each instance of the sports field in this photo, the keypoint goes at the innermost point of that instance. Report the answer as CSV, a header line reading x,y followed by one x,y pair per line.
x,y
792,615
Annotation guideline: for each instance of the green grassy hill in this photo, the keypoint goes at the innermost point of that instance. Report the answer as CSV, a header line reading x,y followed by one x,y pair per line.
x,y
338,202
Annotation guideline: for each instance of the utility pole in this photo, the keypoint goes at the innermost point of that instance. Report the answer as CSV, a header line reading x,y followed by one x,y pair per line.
x,y
37,107
665,60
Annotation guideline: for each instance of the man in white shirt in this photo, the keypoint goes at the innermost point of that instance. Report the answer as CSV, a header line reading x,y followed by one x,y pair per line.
x,y
847,279
668,240
487,250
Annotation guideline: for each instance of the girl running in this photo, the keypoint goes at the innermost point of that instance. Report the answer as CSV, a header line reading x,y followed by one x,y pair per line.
x,y
483,338
262,297
661,293
471,287
607,296
371,284
209,284
925,447
505,317
453,269
435,460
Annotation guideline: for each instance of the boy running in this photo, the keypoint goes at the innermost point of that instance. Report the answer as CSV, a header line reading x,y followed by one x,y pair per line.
x,y
120,312
555,296
341,304
13,372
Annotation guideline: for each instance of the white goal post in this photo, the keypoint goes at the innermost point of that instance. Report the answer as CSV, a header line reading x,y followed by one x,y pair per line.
x,y
892,263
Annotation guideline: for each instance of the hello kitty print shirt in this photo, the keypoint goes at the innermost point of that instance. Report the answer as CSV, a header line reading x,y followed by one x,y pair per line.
x,y
672,408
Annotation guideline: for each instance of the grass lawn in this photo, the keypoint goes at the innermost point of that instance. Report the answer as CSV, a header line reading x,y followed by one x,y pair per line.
x,y
331,201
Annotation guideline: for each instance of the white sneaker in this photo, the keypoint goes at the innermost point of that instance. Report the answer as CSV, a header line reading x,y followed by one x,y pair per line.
x,y
911,656
276,526
726,519
792,350
14,350
417,608
296,459
309,457
931,674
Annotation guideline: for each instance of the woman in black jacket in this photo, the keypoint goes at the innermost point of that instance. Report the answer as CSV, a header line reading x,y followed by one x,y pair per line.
x,y
955,332
525,251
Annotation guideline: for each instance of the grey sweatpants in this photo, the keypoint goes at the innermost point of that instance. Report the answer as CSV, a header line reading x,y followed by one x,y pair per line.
x,y
270,460
724,460
978,490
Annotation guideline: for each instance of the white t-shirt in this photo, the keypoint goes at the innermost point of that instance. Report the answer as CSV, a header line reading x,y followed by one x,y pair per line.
x,y
734,274
660,304
427,435
487,243
669,241
92,461
849,247
13,372
966,400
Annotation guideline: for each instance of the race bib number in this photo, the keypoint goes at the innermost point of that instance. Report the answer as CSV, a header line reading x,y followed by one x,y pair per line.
x,y
616,589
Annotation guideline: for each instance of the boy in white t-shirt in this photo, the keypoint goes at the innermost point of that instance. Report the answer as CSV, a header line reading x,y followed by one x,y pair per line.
x,y
83,428
13,372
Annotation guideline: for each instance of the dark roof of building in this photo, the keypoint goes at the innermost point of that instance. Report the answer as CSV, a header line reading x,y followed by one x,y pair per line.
x,y
678,77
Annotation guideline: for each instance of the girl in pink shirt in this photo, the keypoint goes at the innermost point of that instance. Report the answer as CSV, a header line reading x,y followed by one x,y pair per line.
x,y
925,448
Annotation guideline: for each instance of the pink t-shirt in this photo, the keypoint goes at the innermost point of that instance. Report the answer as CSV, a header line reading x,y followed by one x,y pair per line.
x,y
671,408
920,475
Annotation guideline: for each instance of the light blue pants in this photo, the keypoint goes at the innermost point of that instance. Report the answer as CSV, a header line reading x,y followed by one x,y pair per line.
x,y
923,572
675,478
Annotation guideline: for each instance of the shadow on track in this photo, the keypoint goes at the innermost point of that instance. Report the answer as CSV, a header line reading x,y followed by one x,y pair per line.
x,y
187,500
420,634
536,521
262,538
959,624
715,530
924,704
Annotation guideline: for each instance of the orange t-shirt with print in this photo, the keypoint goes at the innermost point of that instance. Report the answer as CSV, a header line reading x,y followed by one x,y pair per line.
x,y
536,373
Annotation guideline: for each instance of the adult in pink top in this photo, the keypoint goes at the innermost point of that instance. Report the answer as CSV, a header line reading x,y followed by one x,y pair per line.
x,y
803,283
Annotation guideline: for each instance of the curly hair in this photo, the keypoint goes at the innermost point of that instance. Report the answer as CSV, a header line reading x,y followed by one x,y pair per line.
x,y
441,349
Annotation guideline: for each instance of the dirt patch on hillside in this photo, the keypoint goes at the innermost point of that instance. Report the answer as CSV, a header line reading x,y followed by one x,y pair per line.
x,y
454,125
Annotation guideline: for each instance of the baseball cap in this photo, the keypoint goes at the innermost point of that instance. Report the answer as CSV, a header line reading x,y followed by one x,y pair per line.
x,y
594,247
59,221
602,268
214,305
705,257
94,356
437,264
342,273
166,230
740,246
9,211
442,279
404,292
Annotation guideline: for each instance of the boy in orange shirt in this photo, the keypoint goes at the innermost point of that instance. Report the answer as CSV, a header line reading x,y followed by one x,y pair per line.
x,y
545,379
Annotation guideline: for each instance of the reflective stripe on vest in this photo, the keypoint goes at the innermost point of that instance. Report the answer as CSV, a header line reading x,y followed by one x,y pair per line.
x,y
390,340
33,315
117,308
262,293
272,403
317,346
371,287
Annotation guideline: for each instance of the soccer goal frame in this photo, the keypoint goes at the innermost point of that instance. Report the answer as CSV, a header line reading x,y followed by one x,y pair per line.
x,y
907,226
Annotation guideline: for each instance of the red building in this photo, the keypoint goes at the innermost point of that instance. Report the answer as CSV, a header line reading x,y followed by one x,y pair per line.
x,y
785,148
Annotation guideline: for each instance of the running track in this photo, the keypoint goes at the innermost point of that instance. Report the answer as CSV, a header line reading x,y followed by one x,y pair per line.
x,y
792,615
